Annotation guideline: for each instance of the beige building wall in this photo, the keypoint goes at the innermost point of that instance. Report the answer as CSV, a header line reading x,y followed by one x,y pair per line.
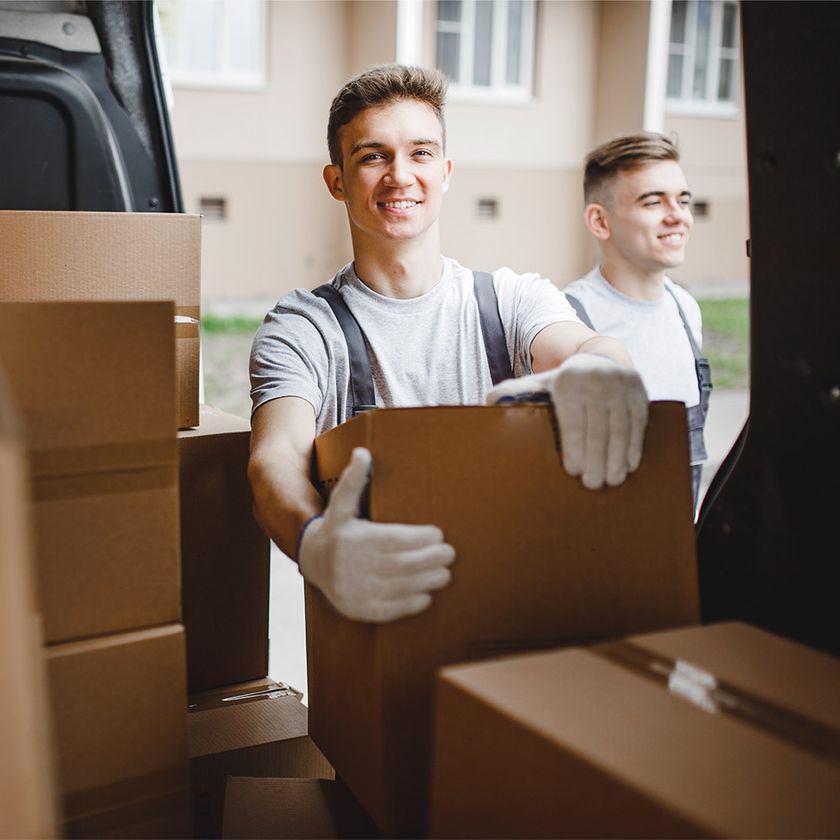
x,y
263,151
713,156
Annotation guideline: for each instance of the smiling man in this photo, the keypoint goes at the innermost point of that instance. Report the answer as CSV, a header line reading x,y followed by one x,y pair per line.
x,y
401,325
638,207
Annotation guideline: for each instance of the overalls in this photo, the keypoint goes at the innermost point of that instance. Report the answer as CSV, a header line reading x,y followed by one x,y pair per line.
x,y
696,414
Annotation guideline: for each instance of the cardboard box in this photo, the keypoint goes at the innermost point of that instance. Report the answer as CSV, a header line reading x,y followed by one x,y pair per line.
x,y
27,789
715,731
95,385
119,707
292,809
258,729
58,256
224,556
541,561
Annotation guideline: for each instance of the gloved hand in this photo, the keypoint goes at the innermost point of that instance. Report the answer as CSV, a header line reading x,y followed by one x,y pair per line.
x,y
371,571
602,412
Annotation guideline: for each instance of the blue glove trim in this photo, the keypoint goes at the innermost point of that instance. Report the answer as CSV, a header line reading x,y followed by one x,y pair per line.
x,y
306,524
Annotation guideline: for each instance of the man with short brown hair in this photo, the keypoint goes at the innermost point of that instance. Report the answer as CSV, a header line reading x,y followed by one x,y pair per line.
x,y
417,324
638,207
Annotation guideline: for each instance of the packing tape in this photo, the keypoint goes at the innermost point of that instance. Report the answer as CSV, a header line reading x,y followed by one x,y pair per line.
x,y
709,693
192,313
95,810
69,461
218,700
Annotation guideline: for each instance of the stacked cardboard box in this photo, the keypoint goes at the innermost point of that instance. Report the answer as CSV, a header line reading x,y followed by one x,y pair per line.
x,y
224,556
95,382
715,731
64,256
27,798
541,561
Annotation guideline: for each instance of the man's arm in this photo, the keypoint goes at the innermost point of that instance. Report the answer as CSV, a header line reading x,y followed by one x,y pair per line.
x,y
557,342
369,571
282,434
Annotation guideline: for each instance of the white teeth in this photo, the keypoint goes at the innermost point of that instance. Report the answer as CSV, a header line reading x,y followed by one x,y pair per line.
x,y
672,237
399,205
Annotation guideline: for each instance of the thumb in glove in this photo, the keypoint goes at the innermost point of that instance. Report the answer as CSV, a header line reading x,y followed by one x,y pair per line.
x,y
371,571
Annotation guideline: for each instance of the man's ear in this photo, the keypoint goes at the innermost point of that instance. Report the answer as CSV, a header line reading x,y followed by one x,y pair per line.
x,y
334,179
597,222
447,173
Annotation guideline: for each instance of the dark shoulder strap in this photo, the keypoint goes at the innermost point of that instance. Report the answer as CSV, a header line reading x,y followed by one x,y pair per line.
x,y
580,310
691,340
492,329
361,376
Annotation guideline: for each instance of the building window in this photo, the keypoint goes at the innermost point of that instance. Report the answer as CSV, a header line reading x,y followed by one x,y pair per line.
x,y
217,44
703,57
486,48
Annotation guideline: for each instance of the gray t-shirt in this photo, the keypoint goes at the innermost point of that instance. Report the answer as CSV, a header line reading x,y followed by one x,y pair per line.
x,y
651,330
423,351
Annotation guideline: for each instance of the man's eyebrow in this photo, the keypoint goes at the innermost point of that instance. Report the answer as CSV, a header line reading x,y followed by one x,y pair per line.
x,y
660,193
366,144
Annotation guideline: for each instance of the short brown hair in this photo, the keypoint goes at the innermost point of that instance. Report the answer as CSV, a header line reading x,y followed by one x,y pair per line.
x,y
380,86
607,160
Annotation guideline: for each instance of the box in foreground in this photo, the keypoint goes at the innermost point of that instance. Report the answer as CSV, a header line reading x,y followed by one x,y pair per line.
x,y
541,561
715,731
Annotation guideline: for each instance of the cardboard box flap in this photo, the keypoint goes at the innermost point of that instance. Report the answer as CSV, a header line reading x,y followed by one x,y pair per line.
x,y
84,406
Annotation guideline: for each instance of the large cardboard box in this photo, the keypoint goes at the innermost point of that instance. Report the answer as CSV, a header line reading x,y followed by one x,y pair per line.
x,y
293,809
27,790
95,385
541,561
58,255
119,707
715,731
258,729
224,556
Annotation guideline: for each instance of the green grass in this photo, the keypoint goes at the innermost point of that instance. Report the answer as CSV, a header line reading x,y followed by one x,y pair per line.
x,y
726,341
229,324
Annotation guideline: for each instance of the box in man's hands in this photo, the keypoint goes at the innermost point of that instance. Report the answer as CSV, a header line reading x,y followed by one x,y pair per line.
x,y
541,562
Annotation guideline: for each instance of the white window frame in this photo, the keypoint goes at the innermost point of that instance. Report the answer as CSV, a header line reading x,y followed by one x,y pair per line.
x,y
498,90
223,76
710,105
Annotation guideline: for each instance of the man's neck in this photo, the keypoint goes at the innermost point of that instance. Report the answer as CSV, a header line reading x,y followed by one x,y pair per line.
x,y
632,281
403,270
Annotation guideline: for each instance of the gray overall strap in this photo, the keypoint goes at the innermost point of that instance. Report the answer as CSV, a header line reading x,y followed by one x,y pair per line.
x,y
361,376
492,329
580,310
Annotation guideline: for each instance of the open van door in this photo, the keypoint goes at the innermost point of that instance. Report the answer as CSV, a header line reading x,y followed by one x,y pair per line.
x,y
84,121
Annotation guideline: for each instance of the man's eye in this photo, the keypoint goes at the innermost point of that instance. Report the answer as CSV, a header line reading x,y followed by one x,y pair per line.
x,y
652,203
372,156
423,153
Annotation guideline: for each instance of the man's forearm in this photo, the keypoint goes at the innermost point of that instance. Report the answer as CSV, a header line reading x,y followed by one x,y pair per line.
x,y
284,498
609,348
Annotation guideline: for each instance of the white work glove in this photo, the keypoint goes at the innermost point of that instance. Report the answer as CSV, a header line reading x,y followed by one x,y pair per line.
x,y
371,571
602,412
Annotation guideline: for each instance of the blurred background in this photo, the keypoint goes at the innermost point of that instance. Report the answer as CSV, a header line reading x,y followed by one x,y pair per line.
x,y
534,85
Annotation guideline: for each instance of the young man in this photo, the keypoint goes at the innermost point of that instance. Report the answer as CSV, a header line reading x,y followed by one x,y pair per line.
x,y
638,207
412,317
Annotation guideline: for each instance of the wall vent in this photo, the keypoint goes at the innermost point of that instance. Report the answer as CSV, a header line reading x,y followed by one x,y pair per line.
x,y
487,208
213,208
700,208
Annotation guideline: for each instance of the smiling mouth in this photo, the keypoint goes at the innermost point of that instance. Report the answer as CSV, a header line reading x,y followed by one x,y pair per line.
x,y
398,205
672,237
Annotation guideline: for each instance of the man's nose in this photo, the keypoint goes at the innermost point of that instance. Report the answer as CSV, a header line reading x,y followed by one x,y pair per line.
x,y
678,212
399,172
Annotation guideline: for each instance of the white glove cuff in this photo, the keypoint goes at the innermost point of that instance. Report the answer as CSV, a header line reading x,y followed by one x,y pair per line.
x,y
306,524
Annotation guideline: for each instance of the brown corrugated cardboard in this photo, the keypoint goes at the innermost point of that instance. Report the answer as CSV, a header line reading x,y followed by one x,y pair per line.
x,y
119,706
27,793
258,728
224,556
95,385
635,740
288,809
541,561
56,255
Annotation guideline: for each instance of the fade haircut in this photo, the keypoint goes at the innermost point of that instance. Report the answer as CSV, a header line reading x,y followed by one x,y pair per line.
x,y
629,152
380,86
